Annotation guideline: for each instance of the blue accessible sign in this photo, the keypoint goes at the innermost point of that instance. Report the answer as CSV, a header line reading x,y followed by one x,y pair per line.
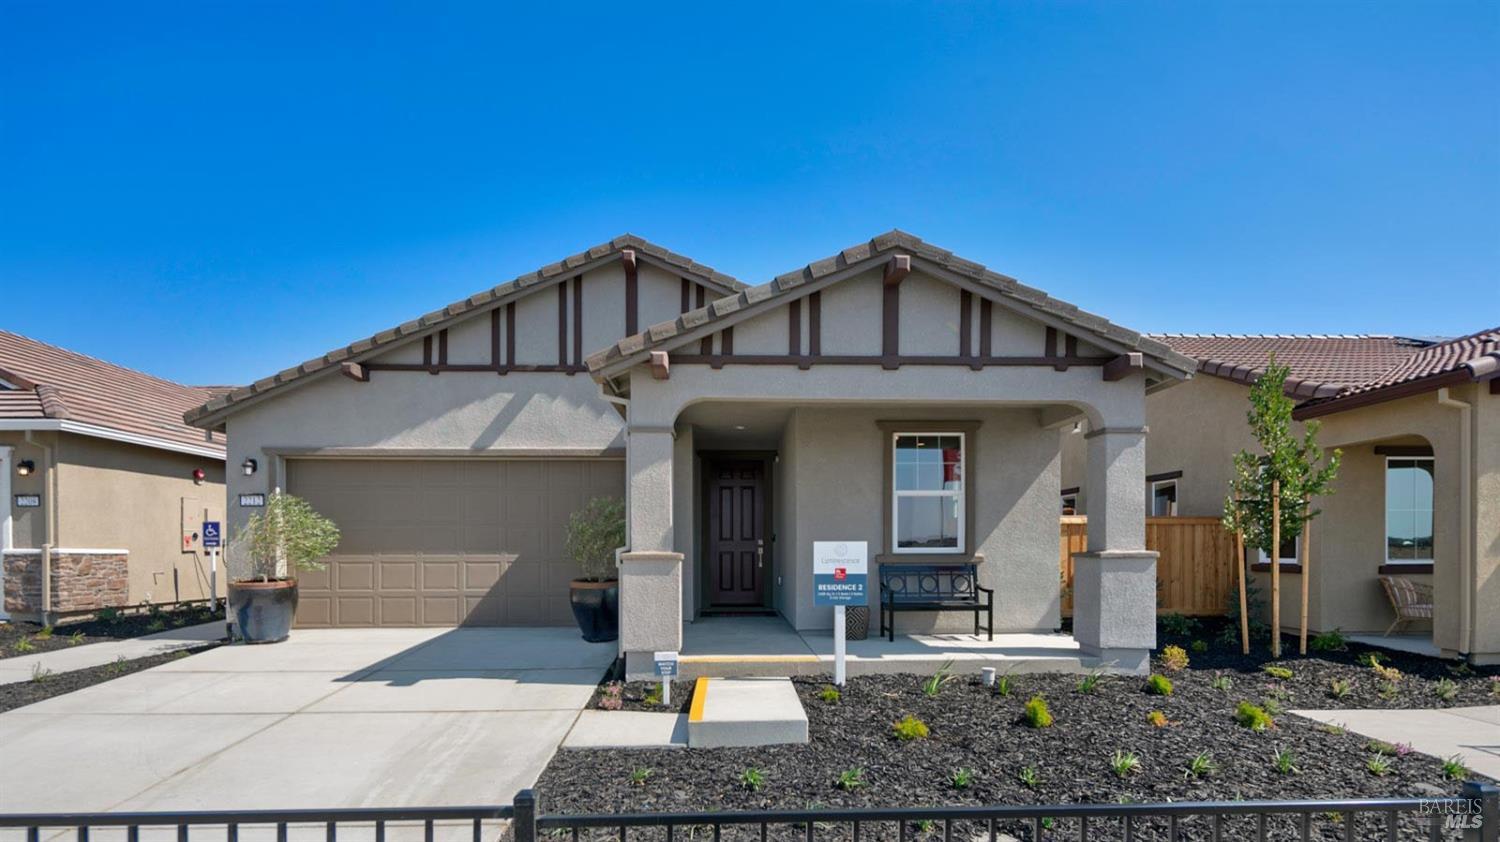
x,y
840,570
211,533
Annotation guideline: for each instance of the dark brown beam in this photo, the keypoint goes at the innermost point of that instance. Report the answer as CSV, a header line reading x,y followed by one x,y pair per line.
x,y
897,269
890,320
965,322
660,365
355,372
1403,450
687,291
495,338
1123,366
984,327
815,324
562,323
794,328
632,293
707,345
1071,344
443,347
510,336
1163,477
807,360
577,320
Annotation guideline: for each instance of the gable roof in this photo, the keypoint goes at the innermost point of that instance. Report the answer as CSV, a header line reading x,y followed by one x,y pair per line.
x,y
932,260
47,387
1467,359
212,411
1320,365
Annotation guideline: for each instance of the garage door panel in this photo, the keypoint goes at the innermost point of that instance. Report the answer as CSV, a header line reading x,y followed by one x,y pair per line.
x,y
447,542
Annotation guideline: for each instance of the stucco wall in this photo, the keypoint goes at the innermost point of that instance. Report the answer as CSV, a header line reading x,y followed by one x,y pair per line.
x,y
29,526
1486,438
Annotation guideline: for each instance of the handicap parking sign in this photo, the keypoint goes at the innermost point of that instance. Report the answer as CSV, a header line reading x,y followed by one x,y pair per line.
x,y
211,534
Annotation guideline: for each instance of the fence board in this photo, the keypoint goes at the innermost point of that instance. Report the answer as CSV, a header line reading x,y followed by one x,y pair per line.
x,y
1194,571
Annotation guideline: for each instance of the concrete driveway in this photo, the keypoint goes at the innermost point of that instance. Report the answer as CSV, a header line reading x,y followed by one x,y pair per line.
x,y
330,718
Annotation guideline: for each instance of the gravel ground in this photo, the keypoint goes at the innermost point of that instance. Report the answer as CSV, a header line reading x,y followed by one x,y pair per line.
x,y
23,693
18,638
974,728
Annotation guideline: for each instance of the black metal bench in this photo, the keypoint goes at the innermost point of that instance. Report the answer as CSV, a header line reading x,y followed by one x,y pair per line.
x,y
933,587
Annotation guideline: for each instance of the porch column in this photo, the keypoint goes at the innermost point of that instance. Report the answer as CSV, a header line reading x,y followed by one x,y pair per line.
x,y
1114,583
650,569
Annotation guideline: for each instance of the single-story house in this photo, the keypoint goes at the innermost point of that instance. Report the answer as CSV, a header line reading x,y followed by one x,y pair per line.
x,y
1418,493
100,475
892,393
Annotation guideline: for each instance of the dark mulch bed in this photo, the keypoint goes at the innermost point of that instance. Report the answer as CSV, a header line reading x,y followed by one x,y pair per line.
x,y
973,727
46,686
644,696
19,638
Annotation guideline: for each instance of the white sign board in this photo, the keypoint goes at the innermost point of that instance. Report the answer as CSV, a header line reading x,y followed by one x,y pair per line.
x,y
840,570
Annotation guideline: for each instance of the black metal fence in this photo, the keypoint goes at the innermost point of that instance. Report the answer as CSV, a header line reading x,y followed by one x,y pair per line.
x,y
1473,816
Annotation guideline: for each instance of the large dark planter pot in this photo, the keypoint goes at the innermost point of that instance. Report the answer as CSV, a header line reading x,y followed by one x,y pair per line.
x,y
596,608
263,611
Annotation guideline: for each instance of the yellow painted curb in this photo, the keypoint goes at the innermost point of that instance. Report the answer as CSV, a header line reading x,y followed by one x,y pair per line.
x,y
700,695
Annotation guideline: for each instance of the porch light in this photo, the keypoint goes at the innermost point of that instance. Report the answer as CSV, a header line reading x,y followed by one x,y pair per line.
x,y
199,476
25,467
249,466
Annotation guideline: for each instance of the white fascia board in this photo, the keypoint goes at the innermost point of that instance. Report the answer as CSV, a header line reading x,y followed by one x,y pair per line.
x,y
81,429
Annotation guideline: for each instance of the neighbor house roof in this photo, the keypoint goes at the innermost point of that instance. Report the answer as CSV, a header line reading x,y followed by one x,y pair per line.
x,y
930,258
211,411
43,386
1466,359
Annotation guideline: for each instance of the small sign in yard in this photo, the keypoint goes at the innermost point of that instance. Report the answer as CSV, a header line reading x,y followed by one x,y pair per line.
x,y
211,534
840,570
666,667
252,501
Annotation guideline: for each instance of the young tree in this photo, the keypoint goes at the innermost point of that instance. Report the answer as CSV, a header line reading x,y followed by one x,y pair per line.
x,y
1271,493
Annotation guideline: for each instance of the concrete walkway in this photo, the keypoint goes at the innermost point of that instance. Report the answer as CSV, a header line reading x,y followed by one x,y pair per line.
x,y
98,654
1473,733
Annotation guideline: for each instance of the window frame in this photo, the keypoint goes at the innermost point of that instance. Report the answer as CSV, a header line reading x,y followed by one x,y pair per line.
x,y
1385,538
961,494
1151,498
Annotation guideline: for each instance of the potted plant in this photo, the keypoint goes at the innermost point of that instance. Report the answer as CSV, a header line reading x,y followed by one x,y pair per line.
x,y
594,533
285,536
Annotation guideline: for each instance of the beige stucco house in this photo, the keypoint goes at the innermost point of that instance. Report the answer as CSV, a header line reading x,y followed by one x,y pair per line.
x,y
1418,494
891,393
99,474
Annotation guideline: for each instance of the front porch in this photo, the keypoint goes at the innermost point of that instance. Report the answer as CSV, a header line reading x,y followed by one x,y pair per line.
x,y
724,647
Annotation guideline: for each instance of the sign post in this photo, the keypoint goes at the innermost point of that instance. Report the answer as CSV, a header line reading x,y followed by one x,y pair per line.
x,y
666,667
212,539
840,569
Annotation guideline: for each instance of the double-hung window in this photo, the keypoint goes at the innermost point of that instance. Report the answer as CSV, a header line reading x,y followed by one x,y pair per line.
x,y
1164,498
927,499
1408,509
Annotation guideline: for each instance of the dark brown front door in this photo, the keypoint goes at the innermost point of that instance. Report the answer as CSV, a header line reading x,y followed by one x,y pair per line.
x,y
737,554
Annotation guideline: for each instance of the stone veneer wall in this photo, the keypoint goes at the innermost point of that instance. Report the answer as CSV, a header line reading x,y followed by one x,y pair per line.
x,y
82,580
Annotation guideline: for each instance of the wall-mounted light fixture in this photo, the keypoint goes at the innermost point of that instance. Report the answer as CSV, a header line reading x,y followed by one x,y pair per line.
x,y
249,466
25,467
198,476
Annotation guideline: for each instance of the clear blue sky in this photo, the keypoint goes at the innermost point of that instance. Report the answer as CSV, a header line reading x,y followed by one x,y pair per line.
x,y
213,191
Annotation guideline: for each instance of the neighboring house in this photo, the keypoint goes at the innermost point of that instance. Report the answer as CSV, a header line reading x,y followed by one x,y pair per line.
x,y
1418,495
98,469
892,393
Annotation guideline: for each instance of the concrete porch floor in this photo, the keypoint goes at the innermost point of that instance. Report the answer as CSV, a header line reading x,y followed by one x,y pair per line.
x,y
757,646
1416,643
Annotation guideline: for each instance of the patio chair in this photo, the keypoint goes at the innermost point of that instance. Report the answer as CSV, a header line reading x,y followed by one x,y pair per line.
x,y
1410,600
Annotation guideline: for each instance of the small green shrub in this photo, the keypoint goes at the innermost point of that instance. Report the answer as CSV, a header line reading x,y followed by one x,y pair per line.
x,y
850,779
1329,641
1036,713
1454,768
23,645
1339,688
1272,706
1253,717
39,673
652,695
830,694
1201,765
1177,625
639,776
1089,684
1390,675
1158,719
1387,689
1277,672
1371,659
1174,659
1124,763
1332,728
963,778
107,615
1379,765
44,634
1445,689
1222,683
1382,748
1284,762
1158,685
909,728
934,683
1003,686
753,779
1199,647
1029,777
76,638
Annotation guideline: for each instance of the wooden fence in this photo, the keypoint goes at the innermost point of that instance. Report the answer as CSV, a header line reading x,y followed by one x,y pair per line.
x,y
1194,573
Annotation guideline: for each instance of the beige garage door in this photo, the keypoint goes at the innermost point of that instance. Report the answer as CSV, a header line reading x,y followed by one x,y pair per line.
x,y
446,542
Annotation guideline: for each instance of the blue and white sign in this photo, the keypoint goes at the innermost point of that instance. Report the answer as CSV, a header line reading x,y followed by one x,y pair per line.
x,y
211,533
840,571
666,664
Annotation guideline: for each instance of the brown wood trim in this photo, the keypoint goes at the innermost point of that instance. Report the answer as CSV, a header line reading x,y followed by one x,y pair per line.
x,y
609,453
794,328
1495,386
1403,450
700,297
562,323
687,292
427,351
632,293
443,346
890,321
706,346
495,338
661,365
577,360
896,269
815,324
1070,349
1123,366
1070,491
354,371
510,335
718,360
965,321
470,368
984,326
1412,569
726,349
1265,567
1164,476
1388,393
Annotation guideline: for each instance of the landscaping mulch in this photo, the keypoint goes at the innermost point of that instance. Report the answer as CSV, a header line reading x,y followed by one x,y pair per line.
x,y
20,638
45,686
975,728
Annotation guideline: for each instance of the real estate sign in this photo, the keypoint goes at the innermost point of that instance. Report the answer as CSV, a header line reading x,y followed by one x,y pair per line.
x,y
840,570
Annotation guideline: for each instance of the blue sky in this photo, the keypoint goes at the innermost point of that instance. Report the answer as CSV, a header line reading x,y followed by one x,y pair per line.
x,y
213,191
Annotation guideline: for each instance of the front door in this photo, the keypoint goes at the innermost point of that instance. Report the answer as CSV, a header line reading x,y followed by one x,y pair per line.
x,y
736,533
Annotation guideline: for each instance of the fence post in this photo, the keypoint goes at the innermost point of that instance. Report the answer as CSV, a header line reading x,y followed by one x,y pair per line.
x,y
1487,798
523,816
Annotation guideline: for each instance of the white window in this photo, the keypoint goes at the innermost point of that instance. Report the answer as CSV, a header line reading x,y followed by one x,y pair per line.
x,y
1408,509
1164,498
927,500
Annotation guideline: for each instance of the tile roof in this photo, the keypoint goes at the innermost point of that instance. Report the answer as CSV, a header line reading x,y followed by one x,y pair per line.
x,y
53,383
1467,358
199,415
633,348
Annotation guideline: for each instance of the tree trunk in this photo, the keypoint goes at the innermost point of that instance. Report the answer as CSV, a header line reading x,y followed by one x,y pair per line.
x,y
1239,567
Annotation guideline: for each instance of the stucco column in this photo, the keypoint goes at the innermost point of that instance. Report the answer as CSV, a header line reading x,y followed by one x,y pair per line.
x,y
1114,583
651,568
